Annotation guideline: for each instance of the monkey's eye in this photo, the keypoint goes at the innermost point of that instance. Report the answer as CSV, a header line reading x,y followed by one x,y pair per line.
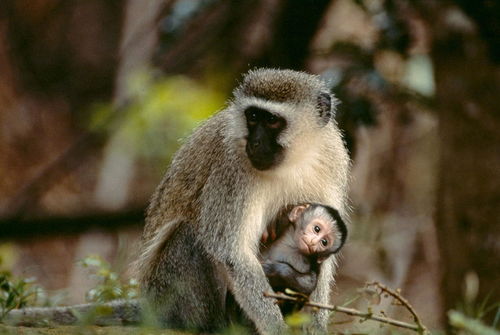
x,y
252,114
252,118
317,229
273,121
324,242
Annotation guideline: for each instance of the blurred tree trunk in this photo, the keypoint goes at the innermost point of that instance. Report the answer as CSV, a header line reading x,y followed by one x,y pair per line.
x,y
138,42
393,146
468,198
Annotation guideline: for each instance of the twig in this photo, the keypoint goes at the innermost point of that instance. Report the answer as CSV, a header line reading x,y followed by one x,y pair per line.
x,y
349,311
404,302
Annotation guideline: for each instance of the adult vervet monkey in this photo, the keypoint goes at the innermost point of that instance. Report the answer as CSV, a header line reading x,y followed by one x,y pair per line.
x,y
274,145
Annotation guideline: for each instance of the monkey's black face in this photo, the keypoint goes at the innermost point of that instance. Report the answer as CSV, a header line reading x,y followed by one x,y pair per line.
x,y
262,147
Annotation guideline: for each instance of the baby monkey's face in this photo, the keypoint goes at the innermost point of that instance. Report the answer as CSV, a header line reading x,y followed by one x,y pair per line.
x,y
315,236
315,230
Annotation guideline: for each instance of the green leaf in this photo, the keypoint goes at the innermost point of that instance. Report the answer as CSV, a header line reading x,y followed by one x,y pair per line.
x,y
298,319
10,302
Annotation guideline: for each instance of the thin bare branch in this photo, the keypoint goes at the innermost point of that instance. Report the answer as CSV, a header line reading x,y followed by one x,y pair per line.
x,y
403,302
349,311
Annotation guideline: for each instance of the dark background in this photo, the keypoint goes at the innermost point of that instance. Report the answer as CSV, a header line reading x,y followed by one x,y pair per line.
x,y
95,96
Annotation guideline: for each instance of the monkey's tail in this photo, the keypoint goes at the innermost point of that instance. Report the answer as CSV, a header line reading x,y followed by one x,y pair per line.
x,y
151,250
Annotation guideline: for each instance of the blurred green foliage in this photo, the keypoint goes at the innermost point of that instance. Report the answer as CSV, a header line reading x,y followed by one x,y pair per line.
x,y
297,320
21,292
466,325
158,113
109,285
473,311
15,293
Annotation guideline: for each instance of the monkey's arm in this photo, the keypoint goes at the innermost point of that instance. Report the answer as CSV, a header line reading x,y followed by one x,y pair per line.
x,y
248,283
231,242
282,275
118,312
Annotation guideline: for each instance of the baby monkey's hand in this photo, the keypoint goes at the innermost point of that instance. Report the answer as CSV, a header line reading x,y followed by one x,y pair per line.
x,y
285,218
269,233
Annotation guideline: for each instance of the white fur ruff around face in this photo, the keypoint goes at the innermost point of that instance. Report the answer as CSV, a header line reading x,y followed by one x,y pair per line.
x,y
300,178
289,112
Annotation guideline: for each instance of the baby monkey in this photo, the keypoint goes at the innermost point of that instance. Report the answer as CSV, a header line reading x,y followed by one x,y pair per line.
x,y
307,235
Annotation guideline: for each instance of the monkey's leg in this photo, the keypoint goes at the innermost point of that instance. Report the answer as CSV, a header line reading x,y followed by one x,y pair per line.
x,y
236,316
184,288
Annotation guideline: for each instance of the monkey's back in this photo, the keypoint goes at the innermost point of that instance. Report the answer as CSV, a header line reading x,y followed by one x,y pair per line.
x,y
184,180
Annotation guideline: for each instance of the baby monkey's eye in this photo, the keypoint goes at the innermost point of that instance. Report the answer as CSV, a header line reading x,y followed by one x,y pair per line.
x,y
324,242
317,229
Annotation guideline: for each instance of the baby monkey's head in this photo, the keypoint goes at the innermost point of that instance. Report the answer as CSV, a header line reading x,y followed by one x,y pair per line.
x,y
319,230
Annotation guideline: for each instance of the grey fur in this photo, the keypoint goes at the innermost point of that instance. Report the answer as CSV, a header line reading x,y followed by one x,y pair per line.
x,y
281,86
206,217
286,267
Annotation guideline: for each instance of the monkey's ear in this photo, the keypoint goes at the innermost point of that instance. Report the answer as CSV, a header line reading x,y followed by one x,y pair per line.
x,y
324,107
296,212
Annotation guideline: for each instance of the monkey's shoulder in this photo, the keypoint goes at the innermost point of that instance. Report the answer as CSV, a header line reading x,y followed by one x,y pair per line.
x,y
187,174
196,173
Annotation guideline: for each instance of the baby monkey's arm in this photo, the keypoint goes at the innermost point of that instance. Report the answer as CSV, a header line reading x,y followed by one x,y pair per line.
x,y
282,275
284,219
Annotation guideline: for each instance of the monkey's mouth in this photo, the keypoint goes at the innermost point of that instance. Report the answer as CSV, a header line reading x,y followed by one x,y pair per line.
x,y
263,159
261,164
304,247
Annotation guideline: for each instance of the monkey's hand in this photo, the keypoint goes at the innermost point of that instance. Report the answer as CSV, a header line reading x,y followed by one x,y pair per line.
x,y
275,228
269,233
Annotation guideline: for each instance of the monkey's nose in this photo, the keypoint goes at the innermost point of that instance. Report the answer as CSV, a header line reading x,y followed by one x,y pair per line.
x,y
255,144
311,249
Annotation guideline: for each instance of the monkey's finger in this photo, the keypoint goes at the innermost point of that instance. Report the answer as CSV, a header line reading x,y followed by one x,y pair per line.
x,y
273,234
264,237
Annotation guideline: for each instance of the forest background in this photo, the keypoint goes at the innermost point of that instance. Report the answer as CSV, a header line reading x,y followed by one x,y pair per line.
x,y
96,96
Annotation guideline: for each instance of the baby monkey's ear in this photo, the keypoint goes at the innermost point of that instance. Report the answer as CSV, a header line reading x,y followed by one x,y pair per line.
x,y
296,212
